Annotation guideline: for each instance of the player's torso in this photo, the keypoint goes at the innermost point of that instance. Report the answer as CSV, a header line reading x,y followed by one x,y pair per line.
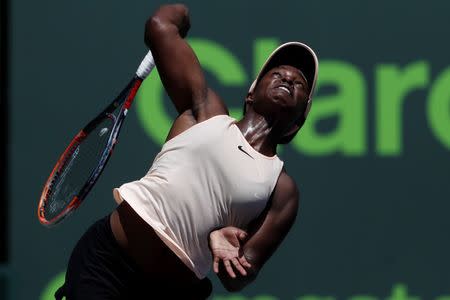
x,y
210,167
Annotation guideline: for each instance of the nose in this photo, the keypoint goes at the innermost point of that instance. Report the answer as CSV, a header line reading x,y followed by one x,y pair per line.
x,y
288,77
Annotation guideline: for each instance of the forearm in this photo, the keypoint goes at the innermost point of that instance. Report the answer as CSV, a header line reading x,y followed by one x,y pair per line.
x,y
177,64
263,236
167,20
258,248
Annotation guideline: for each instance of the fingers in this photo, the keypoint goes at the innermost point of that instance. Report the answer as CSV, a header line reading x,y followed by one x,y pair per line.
x,y
238,266
230,265
243,261
216,264
242,235
229,269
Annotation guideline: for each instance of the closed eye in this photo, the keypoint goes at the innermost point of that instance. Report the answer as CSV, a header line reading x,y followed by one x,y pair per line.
x,y
299,84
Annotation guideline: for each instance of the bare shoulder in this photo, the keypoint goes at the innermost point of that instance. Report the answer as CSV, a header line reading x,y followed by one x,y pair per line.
x,y
286,189
202,111
285,198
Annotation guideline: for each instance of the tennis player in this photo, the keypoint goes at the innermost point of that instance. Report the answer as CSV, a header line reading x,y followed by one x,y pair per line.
x,y
216,196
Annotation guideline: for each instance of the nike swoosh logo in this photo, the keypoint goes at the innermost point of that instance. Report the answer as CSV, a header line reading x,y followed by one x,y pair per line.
x,y
240,148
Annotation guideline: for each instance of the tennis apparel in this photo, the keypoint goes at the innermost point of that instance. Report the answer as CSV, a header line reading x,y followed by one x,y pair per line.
x,y
205,178
99,269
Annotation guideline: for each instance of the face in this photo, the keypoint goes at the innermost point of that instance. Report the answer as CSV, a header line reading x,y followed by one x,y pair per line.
x,y
282,91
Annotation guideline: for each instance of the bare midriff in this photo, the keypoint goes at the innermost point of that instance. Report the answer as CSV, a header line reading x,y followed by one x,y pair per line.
x,y
146,249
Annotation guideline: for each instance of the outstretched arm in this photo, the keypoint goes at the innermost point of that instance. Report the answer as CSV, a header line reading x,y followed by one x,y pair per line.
x,y
265,235
177,64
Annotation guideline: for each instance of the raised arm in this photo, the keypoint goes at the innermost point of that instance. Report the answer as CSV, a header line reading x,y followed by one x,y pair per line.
x,y
264,235
177,64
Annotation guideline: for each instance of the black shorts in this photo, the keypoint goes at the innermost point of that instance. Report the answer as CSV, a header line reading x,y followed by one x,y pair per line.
x,y
99,269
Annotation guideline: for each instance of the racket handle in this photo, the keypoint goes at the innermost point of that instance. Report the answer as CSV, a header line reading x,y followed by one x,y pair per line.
x,y
146,66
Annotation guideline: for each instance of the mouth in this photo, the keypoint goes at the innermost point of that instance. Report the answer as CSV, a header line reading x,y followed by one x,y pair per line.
x,y
284,89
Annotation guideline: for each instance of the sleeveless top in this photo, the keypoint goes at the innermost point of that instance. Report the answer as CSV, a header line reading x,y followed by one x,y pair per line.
x,y
205,178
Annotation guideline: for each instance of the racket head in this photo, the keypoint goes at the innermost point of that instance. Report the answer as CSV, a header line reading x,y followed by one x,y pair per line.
x,y
77,170
83,161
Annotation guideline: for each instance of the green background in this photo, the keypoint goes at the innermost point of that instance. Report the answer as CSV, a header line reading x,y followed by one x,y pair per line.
x,y
370,226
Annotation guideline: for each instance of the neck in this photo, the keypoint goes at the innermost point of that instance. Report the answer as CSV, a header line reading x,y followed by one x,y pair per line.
x,y
259,133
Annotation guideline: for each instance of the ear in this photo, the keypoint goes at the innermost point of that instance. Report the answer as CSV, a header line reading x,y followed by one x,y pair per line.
x,y
248,101
249,97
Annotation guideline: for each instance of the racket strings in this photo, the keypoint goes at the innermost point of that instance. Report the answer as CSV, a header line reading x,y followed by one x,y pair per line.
x,y
81,160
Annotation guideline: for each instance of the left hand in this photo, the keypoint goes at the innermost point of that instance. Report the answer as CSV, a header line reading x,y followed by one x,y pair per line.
x,y
225,245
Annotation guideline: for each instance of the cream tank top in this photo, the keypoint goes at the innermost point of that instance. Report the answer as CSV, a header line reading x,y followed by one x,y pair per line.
x,y
205,178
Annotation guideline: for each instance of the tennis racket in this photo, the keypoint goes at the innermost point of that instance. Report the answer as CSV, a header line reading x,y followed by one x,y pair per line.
x,y
84,159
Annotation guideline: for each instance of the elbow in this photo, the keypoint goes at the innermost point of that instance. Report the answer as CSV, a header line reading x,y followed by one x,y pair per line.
x,y
165,21
155,27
